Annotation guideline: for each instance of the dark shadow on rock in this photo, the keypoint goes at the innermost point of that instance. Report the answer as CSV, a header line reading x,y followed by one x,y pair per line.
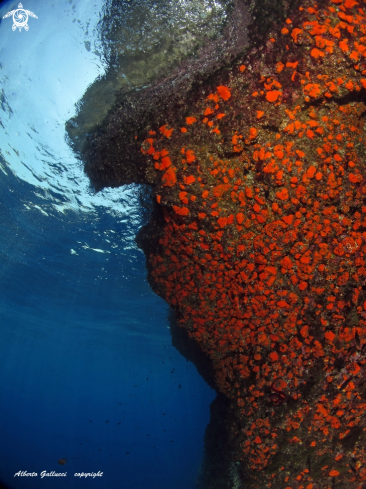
x,y
190,350
218,469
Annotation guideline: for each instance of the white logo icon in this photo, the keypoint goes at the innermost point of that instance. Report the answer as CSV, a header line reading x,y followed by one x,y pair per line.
x,y
20,17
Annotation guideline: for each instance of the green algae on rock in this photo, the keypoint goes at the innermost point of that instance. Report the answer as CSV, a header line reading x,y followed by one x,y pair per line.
x,y
257,240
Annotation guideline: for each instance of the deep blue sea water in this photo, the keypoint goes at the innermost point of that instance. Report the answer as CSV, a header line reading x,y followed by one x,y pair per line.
x,y
87,368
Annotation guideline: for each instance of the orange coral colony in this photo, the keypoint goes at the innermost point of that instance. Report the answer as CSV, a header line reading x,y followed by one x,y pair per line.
x,y
262,250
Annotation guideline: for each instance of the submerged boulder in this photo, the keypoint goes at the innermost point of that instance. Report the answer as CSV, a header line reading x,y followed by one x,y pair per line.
x,y
258,241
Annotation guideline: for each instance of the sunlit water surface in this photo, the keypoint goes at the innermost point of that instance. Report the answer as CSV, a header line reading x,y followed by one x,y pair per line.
x,y
87,370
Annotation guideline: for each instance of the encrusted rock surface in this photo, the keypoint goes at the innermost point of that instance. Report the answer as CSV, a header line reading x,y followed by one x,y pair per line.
x,y
258,241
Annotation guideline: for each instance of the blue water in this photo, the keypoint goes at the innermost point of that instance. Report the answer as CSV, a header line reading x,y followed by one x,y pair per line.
x,y
87,368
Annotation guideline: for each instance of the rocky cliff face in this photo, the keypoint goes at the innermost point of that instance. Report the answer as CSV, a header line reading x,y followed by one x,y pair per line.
x,y
258,241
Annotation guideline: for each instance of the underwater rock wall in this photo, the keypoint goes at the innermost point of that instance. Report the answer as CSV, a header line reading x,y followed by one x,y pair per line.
x,y
258,241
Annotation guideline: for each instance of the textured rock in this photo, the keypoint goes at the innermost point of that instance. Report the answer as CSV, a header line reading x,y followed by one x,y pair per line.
x,y
154,50
257,240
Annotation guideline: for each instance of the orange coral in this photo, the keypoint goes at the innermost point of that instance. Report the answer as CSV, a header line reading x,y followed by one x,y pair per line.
x,y
223,92
273,95
164,130
190,156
